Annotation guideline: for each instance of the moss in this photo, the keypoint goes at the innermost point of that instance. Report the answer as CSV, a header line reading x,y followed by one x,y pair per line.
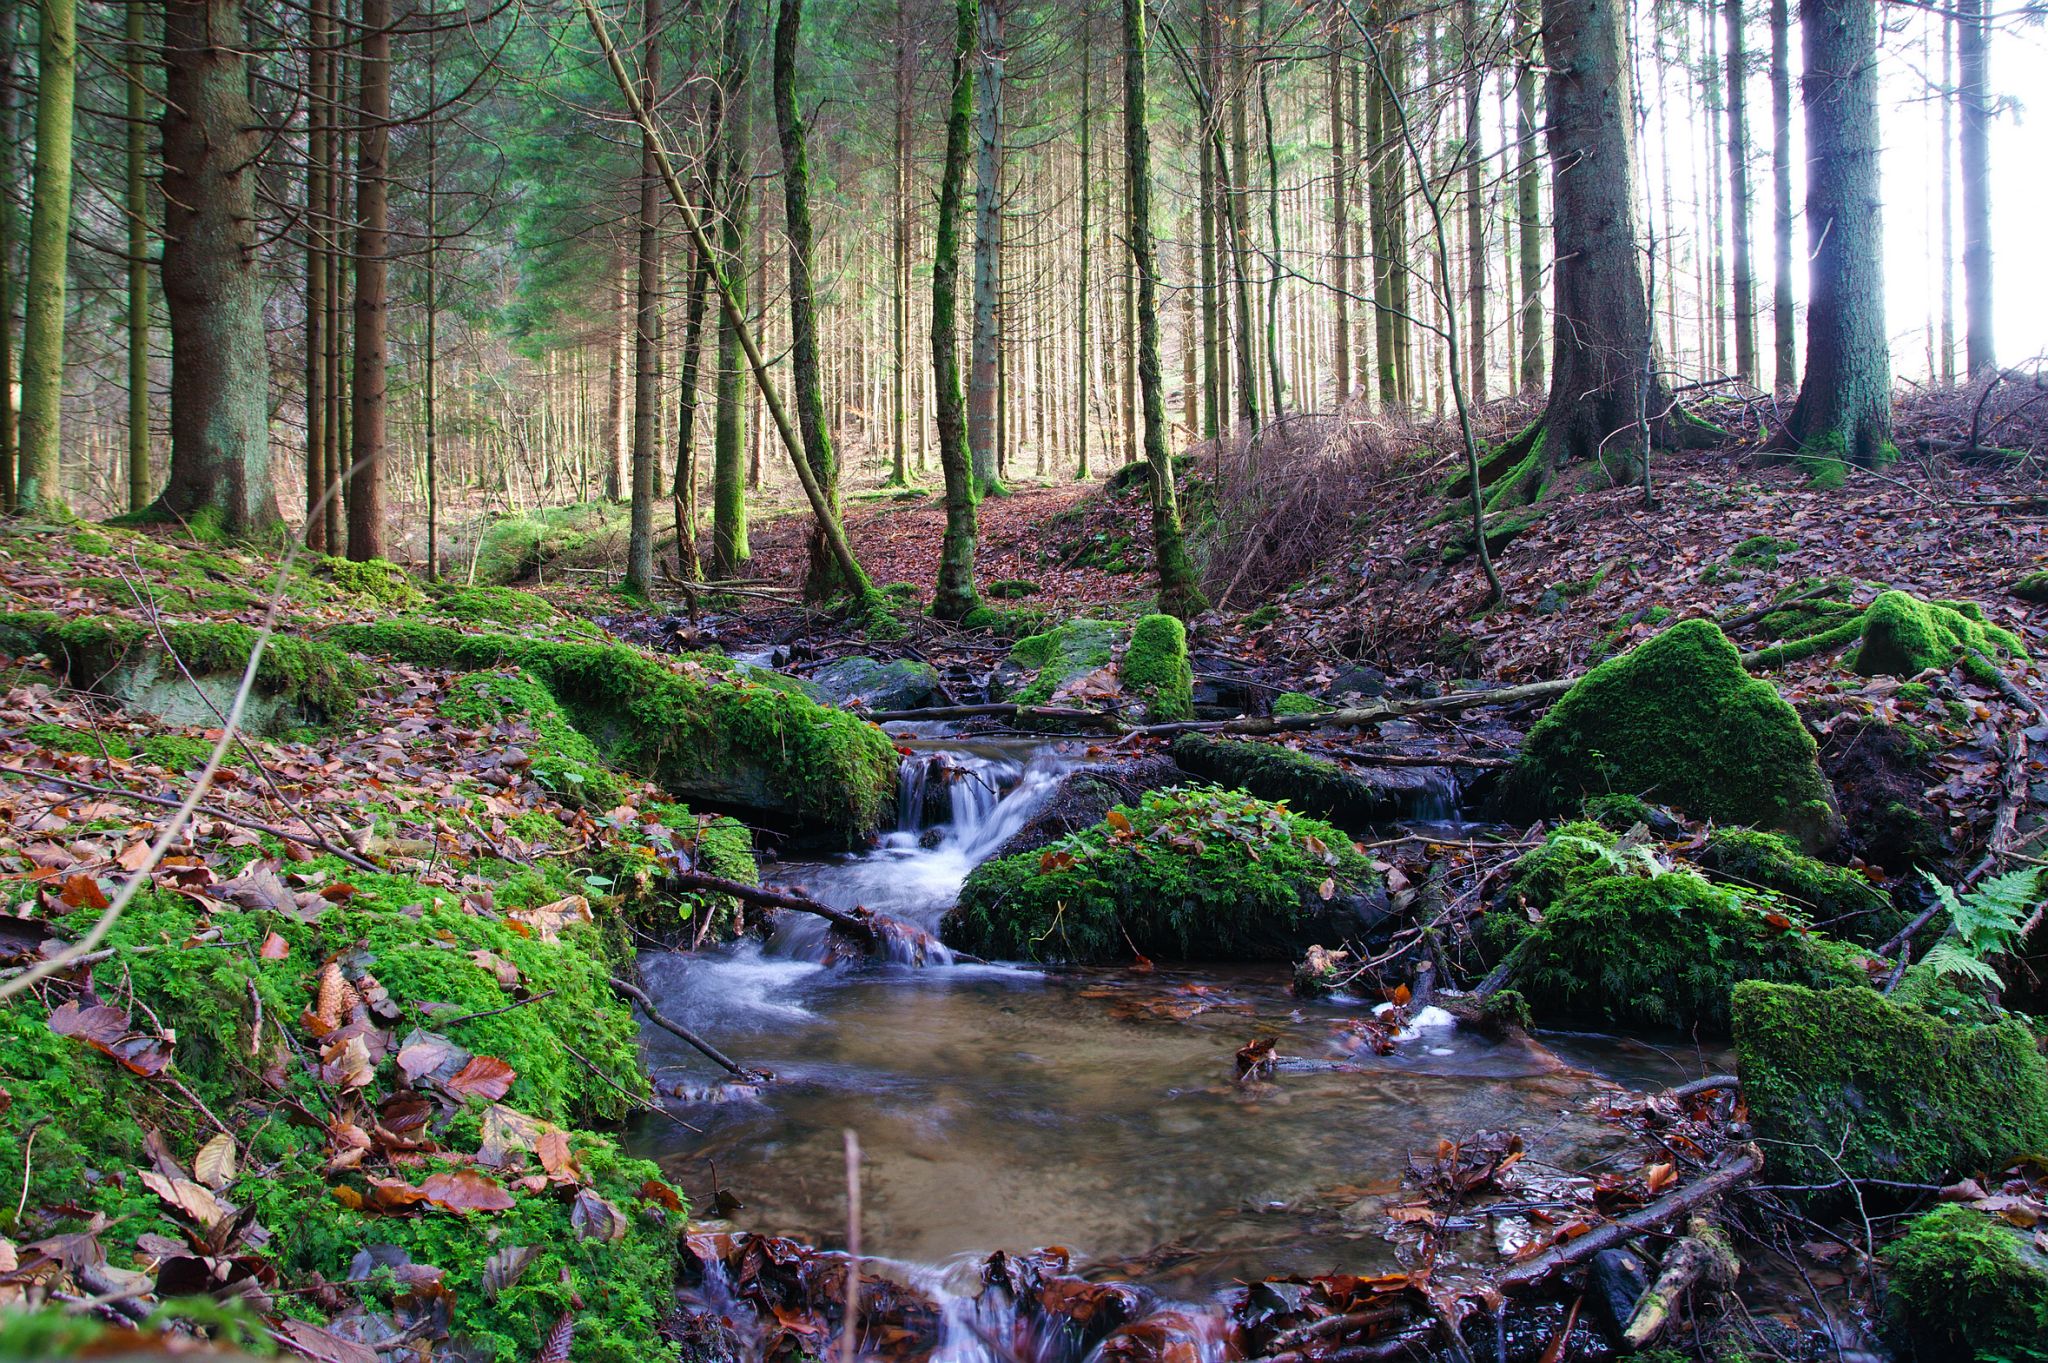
x,y
305,672
516,547
90,542
722,846
1614,638
1904,636
22,632
1677,720
1196,872
1842,901
1010,588
504,606
376,581
58,738
1664,951
1298,703
1963,1285
1059,655
564,760
1619,813
1313,785
711,736
1846,1084
2032,587
1760,551
1571,855
176,752
1155,669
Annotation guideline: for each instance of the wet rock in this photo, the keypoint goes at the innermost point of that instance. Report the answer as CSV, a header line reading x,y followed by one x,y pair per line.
x,y
900,684
1616,1281
1085,796
1964,1285
1359,683
1353,798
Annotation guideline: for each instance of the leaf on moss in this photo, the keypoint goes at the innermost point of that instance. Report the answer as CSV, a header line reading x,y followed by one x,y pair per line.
x,y
464,1191
105,1029
485,1076
505,1268
193,1201
214,1165
593,1218
430,1055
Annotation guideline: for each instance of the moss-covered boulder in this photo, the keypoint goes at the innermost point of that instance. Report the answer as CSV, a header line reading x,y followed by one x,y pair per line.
x,y
704,732
899,684
1844,902
1059,657
1089,662
2032,587
1846,1084
1350,797
1663,950
195,680
1195,873
1965,1286
1678,721
1155,669
1904,636
563,760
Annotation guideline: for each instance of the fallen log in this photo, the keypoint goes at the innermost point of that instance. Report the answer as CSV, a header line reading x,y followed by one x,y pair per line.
x,y
1359,716
1703,1258
676,1029
1737,1164
1002,710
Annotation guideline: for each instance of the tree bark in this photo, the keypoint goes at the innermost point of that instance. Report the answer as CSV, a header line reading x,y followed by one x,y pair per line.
x,y
646,322
367,412
318,227
955,595
1180,593
1528,200
982,416
141,482
683,493
1475,202
1974,92
9,443
729,549
1081,327
1845,402
1738,195
220,371
1340,226
40,487
1784,338
899,302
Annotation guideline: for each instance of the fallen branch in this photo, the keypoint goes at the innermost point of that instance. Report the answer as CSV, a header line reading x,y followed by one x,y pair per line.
x,y
676,1029
1710,1084
1736,1165
1702,1259
1002,710
1363,715
860,923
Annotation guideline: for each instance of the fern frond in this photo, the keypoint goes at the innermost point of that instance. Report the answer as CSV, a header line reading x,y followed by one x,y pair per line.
x,y
1951,958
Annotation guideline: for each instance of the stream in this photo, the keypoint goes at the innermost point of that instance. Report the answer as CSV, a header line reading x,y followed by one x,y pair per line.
x,y
1011,1108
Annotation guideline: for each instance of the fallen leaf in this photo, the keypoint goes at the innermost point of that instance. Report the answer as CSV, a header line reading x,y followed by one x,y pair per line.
x,y
593,1218
507,1267
190,1199
214,1165
485,1076
465,1190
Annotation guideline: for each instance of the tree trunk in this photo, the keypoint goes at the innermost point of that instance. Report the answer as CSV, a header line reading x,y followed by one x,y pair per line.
x,y
430,397
1180,593
8,433
1945,371
988,236
955,596
1845,402
1973,70
1528,200
1738,195
366,406
1340,226
333,178
41,488
1784,366
220,371
1601,346
318,118
1081,327
646,322
1237,177
1475,202
729,547
141,483
899,303
823,580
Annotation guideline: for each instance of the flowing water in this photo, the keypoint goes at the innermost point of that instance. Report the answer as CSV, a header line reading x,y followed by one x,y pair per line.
x,y
1009,1108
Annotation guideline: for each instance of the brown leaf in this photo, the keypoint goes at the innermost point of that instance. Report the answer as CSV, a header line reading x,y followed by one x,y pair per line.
x,y
507,1267
392,1195
548,920
190,1199
1658,1177
465,1190
347,1062
324,1346
506,973
593,1218
105,1029
553,1151
82,891
215,1163
656,1191
485,1076
274,948
430,1055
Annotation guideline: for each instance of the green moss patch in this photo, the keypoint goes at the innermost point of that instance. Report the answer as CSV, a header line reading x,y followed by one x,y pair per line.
x,y
1843,1083
1963,1285
376,581
712,737
506,606
1678,721
564,761
1155,669
1846,903
1190,873
1059,655
1904,636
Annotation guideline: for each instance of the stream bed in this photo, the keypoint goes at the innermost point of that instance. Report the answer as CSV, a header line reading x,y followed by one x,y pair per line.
x,y
1007,1108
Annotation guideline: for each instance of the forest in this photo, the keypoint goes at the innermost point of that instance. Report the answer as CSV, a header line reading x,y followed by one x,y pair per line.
x,y
988,681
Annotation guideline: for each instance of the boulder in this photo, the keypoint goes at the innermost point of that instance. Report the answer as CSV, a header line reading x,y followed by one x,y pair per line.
x,y
1677,720
1353,797
899,684
1965,1285
1084,797
1844,1083
1194,873
1087,662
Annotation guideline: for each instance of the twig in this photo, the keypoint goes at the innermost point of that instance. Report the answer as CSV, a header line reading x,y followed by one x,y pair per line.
x,y
634,1099
493,1012
676,1029
849,1346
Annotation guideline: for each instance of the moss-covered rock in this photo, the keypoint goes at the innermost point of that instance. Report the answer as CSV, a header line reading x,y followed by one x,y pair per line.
x,y
507,606
1063,654
1904,636
1155,669
711,736
1571,854
1843,901
1190,873
376,581
1662,951
564,760
2032,587
899,684
1963,1285
1298,703
1677,720
123,658
1350,797
1846,1084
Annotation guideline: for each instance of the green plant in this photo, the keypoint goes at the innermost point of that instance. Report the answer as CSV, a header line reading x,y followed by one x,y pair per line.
x,y
1984,922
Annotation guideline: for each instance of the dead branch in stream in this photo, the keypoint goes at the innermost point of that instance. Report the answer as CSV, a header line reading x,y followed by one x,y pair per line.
x,y
676,1029
859,922
1737,1165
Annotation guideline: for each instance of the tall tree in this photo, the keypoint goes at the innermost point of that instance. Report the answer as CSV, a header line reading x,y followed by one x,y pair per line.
x,y
141,483
40,487
220,371
319,120
1475,199
1082,329
955,596
8,230
367,413
1738,194
1784,322
982,416
1528,198
899,297
646,321
822,579
1845,401
1974,93
1340,223
729,547
1180,591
